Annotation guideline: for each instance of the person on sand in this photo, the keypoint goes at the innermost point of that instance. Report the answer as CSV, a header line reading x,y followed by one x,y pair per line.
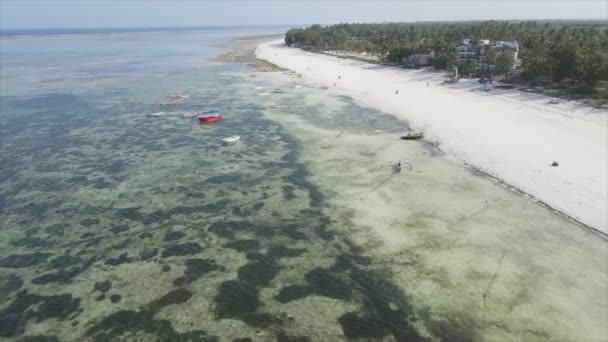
x,y
397,91
398,166
339,77
427,84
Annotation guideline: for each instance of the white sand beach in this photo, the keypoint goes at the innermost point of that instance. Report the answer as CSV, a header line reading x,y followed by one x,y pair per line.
x,y
508,134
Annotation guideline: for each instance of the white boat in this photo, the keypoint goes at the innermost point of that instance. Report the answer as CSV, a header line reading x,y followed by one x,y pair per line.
x,y
180,96
258,88
263,94
190,115
231,139
156,114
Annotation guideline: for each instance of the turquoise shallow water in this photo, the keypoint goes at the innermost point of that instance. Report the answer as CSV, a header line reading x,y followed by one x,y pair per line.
x,y
121,226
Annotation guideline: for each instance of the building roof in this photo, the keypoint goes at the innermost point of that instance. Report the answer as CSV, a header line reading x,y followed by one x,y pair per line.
x,y
507,45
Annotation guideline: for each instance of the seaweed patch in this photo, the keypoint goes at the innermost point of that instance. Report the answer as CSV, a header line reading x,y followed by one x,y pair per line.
x,y
24,260
195,268
236,299
187,248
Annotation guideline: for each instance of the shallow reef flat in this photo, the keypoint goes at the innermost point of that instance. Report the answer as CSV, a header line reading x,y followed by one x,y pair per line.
x,y
117,226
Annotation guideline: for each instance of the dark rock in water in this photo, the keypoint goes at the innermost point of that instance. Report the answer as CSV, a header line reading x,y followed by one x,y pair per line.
x,y
93,242
177,296
187,248
89,222
258,256
32,231
379,294
115,298
280,251
100,297
354,326
64,261
119,228
180,281
55,229
294,233
86,235
147,254
215,207
236,299
555,163
120,260
40,338
289,192
122,245
195,268
64,275
324,283
257,206
166,268
8,284
174,235
242,339
261,320
127,323
259,273
24,260
134,214
293,292
145,235
243,245
32,242
57,306
14,317
226,229
283,337
103,286
26,306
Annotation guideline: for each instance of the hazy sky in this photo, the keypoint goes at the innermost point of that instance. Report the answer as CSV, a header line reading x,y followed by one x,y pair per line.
x,y
114,13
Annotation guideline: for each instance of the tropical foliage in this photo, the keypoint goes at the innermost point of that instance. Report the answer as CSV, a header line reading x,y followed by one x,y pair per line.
x,y
556,52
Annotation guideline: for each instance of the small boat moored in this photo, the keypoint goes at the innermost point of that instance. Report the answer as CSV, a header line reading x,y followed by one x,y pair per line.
x,y
210,116
231,139
156,114
412,135
180,96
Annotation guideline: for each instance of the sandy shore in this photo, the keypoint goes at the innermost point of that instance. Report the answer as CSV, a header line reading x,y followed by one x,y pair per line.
x,y
445,236
508,134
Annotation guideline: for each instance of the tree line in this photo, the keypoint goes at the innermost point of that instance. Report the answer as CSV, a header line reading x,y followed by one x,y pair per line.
x,y
569,53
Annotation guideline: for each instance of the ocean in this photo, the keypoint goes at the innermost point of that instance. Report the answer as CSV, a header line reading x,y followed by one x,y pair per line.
x,y
121,226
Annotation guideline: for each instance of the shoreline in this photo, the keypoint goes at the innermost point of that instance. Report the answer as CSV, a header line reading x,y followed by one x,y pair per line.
x,y
439,230
479,140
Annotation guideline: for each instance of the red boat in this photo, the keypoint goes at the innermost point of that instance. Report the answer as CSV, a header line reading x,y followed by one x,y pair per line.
x,y
210,116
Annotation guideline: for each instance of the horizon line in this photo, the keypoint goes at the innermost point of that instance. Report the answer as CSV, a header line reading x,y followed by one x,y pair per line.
x,y
282,25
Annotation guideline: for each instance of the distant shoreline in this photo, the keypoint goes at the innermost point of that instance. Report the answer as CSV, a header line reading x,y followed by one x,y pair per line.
x,y
100,31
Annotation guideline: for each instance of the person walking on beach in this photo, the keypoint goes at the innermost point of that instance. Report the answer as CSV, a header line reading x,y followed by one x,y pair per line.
x,y
397,91
398,166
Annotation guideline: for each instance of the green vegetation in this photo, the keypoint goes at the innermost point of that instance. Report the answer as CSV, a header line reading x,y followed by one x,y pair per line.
x,y
570,55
